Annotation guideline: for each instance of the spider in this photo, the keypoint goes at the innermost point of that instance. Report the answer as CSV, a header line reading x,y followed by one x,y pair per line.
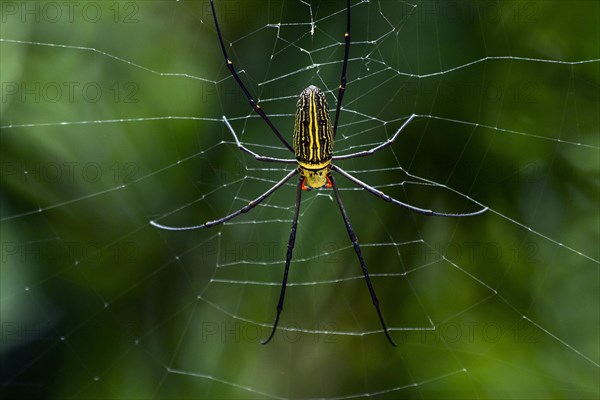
x,y
313,139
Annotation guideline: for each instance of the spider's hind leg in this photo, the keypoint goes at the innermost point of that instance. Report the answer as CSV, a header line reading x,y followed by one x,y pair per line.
x,y
354,240
288,260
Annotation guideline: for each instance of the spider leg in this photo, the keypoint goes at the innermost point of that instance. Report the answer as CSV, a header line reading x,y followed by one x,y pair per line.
x,y
342,87
253,154
385,197
233,72
354,240
288,259
244,209
379,147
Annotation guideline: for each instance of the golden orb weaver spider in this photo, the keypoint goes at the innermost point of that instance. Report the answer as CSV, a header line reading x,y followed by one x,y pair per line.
x,y
313,149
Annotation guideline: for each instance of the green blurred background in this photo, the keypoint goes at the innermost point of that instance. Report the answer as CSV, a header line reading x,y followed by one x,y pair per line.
x,y
111,117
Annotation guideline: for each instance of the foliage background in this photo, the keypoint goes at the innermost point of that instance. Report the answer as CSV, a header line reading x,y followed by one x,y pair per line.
x,y
98,304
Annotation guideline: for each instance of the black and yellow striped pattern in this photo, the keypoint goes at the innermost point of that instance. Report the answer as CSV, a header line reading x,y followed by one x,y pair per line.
x,y
313,133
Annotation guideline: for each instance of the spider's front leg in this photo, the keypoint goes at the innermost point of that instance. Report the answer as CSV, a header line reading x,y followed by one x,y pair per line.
x,y
388,142
252,153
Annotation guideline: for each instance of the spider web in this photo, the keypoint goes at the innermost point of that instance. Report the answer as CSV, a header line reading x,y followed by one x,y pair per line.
x,y
112,117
